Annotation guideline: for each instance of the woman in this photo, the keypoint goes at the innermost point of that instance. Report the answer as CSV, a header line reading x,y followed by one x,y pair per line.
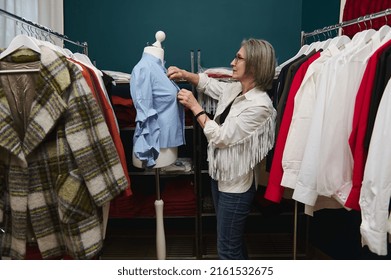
x,y
239,136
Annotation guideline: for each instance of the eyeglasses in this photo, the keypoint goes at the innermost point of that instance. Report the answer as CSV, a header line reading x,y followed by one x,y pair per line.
x,y
238,58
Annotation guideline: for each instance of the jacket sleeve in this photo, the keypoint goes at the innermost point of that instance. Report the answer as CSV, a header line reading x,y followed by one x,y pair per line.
x,y
91,144
209,86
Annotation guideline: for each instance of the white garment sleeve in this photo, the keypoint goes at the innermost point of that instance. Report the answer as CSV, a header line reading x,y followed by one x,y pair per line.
x,y
306,186
299,129
376,188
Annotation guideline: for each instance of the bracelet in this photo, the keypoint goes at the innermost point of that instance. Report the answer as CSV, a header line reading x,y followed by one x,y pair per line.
x,y
199,114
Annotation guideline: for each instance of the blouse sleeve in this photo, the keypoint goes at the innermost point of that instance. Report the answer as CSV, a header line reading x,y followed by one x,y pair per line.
x,y
146,136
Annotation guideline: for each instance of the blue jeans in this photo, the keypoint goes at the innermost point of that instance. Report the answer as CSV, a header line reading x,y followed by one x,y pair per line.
x,y
232,210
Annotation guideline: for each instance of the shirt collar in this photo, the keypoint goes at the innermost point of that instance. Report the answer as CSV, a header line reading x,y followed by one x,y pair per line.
x,y
253,93
153,59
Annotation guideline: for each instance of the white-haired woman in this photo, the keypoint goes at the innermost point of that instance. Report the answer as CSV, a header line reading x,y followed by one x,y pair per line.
x,y
239,136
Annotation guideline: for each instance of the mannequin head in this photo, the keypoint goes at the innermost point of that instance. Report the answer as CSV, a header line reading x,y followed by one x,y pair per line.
x,y
156,48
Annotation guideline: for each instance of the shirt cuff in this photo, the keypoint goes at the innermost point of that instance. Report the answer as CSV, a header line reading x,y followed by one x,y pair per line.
x,y
305,195
376,241
203,78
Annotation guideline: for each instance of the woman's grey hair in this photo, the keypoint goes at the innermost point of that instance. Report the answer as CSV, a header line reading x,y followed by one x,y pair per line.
x,y
260,62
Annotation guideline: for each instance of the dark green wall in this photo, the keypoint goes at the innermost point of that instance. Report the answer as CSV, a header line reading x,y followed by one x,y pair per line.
x,y
118,30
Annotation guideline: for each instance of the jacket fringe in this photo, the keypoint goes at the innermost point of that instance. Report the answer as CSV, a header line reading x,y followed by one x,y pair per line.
x,y
228,163
208,103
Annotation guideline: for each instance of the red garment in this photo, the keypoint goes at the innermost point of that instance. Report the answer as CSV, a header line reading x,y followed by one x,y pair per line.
x,y
274,190
188,117
179,197
354,9
177,194
359,127
97,91
124,111
112,125
33,253
137,205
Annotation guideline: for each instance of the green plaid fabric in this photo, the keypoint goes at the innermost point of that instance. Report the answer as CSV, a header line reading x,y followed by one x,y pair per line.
x,y
64,170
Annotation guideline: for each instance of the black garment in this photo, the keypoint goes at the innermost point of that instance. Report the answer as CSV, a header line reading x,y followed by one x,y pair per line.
x,y
224,114
108,82
279,82
383,74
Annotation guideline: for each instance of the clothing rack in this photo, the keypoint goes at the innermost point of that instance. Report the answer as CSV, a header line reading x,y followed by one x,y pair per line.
x,y
304,36
326,29
83,45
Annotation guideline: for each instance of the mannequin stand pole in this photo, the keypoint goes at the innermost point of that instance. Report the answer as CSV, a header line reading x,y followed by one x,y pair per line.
x,y
160,236
295,231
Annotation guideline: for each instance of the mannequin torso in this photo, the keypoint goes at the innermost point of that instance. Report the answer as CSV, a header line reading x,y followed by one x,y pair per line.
x,y
166,156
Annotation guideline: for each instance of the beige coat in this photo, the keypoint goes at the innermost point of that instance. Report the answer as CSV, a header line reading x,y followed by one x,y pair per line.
x,y
62,171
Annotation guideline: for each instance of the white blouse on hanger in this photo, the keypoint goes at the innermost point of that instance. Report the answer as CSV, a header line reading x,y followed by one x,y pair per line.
x,y
376,188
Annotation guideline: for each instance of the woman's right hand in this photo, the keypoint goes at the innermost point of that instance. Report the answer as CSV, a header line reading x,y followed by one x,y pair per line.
x,y
174,73
177,74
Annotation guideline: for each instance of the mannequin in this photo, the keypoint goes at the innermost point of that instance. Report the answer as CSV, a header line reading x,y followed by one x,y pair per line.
x,y
159,122
166,156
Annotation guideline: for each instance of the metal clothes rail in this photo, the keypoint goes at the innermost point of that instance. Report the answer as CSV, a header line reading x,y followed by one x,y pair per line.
x,y
83,45
326,29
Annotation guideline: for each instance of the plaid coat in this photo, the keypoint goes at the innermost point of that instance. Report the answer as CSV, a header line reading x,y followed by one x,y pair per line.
x,y
64,169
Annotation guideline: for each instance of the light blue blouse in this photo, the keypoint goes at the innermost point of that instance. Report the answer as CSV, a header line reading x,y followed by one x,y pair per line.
x,y
160,121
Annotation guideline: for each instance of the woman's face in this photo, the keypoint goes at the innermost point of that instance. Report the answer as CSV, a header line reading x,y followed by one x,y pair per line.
x,y
238,65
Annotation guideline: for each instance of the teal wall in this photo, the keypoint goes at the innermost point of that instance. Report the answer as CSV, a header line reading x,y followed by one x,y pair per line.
x,y
318,14
118,30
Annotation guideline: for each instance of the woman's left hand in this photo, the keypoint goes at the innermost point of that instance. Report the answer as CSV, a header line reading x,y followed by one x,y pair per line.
x,y
187,99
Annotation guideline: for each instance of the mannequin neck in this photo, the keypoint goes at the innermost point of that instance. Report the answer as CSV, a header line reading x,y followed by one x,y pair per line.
x,y
155,51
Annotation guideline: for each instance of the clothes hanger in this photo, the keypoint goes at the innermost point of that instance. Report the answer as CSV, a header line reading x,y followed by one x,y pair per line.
x,y
68,52
302,50
385,30
324,44
312,46
363,35
84,59
340,41
18,42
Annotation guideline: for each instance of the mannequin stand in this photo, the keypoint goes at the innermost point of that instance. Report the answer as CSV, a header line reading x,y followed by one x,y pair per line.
x,y
166,157
160,235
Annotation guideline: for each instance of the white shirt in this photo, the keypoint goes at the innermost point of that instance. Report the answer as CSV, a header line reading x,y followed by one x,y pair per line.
x,y
376,187
301,119
335,158
327,162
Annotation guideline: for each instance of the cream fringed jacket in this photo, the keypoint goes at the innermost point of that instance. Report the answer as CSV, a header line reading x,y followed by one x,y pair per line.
x,y
236,147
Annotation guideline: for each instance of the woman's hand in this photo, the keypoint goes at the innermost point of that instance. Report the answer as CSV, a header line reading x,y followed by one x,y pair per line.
x,y
187,99
177,74
174,73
